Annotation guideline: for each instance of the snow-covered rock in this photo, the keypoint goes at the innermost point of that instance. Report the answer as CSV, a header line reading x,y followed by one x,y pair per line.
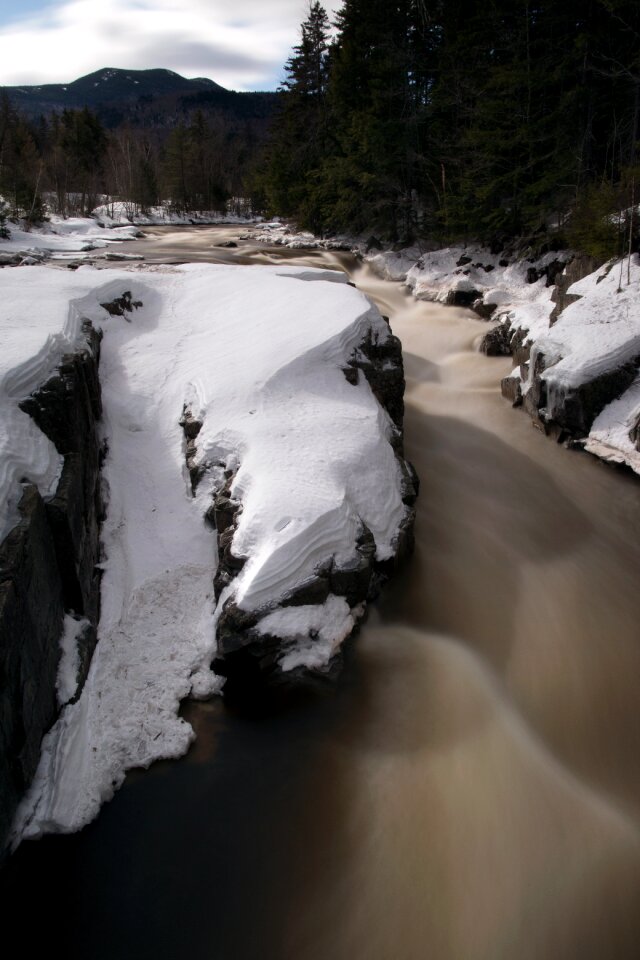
x,y
577,369
228,392
58,238
573,330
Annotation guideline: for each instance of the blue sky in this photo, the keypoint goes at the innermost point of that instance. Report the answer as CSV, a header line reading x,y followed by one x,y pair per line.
x,y
241,44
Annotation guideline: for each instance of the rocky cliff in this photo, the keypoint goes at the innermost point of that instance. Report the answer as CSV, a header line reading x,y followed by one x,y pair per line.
x,y
48,567
250,643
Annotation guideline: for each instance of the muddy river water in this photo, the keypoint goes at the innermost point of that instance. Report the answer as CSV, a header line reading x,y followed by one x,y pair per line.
x,y
470,790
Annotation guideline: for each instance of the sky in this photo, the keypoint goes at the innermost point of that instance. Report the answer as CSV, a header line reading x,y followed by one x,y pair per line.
x,y
241,44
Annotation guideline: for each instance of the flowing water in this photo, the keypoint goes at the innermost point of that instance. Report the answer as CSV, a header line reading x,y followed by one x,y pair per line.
x,y
470,790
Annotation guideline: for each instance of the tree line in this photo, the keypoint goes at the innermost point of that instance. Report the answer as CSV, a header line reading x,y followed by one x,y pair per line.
x,y
73,162
470,120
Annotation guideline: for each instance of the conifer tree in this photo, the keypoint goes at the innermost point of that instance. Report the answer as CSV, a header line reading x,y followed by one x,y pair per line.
x,y
300,138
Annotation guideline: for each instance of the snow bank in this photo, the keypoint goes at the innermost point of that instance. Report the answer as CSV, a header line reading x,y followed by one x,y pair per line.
x,y
59,237
257,355
281,234
119,213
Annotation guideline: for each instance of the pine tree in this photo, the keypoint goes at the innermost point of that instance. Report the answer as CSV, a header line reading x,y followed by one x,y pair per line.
x,y
4,229
300,137
380,66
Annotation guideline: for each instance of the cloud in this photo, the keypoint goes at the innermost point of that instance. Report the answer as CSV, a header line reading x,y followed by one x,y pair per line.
x,y
241,44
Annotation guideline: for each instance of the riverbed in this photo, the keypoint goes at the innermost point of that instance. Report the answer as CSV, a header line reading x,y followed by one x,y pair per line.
x,y
470,789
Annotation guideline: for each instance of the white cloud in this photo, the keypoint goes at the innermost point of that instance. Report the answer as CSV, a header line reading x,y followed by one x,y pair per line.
x,y
241,44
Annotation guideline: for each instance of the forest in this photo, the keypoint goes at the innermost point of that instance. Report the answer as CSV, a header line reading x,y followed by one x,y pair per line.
x,y
191,161
408,120
471,120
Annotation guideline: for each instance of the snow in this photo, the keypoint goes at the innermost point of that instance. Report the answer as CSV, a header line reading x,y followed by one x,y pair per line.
x,y
38,328
120,214
67,679
257,355
315,631
598,333
610,434
278,233
60,237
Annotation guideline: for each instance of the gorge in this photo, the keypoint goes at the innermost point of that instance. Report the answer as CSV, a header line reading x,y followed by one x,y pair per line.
x,y
483,738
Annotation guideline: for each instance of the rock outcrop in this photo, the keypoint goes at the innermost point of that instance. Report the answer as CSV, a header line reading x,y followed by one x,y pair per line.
x,y
48,566
573,369
247,652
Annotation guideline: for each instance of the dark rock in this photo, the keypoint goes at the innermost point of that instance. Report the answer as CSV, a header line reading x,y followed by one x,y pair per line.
x,y
373,244
31,615
576,410
410,483
463,261
521,350
48,565
484,310
192,428
512,390
381,364
634,434
227,244
313,590
463,298
575,270
121,306
497,342
503,263
532,275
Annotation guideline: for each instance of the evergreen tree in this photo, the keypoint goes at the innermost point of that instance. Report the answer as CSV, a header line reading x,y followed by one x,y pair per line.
x,y
83,143
4,229
300,138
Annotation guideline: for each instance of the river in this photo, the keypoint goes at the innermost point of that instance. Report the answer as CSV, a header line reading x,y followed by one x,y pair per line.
x,y
470,790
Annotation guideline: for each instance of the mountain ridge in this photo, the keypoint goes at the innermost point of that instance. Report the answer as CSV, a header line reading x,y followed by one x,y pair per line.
x,y
119,95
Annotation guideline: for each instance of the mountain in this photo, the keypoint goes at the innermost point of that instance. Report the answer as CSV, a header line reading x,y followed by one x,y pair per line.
x,y
140,97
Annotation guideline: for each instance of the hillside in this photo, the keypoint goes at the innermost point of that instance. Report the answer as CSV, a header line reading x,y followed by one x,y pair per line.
x,y
138,97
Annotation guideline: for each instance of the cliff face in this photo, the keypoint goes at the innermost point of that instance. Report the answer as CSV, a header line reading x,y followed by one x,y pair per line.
x,y
48,566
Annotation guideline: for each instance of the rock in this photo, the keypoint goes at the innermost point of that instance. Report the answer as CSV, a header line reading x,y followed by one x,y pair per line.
x,y
532,275
634,434
497,342
484,310
463,297
48,565
10,259
511,388
463,261
227,244
576,269
250,658
381,364
120,306
576,409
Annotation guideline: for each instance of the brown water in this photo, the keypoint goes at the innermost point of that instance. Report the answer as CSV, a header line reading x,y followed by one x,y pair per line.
x,y
471,789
